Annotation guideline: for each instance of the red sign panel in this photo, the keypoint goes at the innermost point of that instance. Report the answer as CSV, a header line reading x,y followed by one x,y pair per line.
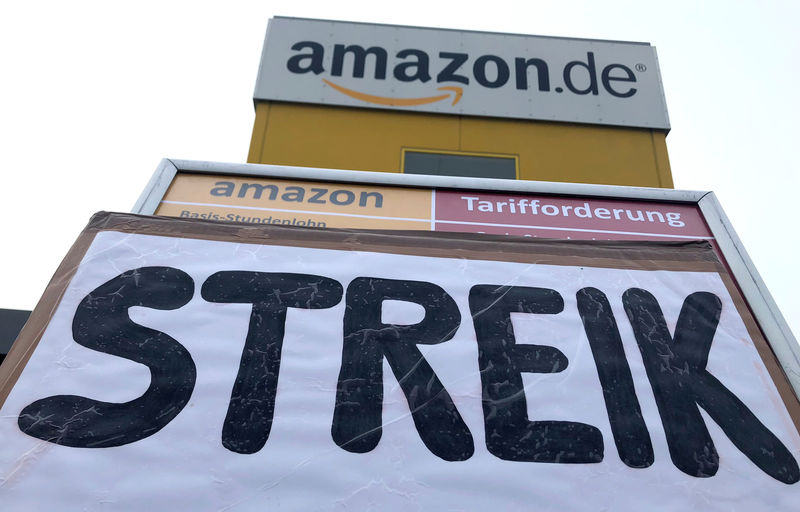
x,y
573,218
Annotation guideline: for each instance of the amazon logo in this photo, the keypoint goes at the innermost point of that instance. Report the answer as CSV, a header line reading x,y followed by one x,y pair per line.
x,y
580,77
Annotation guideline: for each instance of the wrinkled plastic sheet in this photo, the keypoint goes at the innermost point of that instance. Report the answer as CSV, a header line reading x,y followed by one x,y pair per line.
x,y
397,382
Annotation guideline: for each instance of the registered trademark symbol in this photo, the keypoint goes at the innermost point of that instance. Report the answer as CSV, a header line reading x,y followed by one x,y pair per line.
x,y
641,67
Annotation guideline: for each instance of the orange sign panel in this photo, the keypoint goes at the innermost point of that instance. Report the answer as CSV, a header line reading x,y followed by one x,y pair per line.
x,y
296,203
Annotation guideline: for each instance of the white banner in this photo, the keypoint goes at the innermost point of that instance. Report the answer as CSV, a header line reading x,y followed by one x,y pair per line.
x,y
186,374
462,72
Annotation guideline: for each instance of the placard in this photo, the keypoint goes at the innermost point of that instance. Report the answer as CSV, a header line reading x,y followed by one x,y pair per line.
x,y
184,364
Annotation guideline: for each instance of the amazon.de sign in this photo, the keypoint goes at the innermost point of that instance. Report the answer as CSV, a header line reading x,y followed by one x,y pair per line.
x,y
462,72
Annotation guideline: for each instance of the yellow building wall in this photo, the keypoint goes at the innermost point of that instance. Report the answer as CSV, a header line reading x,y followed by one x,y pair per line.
x,y
374,140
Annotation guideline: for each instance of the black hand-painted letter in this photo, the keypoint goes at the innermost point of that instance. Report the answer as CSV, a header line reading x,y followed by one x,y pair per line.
x,y
357,417
249,419
676,368
622,405
102,323
509,433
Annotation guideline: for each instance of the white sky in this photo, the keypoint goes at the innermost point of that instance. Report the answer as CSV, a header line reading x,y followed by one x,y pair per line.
x,y
93,94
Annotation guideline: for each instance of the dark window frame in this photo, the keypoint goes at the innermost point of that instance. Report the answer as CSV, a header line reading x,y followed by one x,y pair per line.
x,y
460,163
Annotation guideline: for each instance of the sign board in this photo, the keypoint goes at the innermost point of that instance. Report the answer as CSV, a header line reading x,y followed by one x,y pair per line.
x,y
262,200
178,364
462,72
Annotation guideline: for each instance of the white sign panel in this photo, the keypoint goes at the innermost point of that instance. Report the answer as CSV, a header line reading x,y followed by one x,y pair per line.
x,y
189,374
462,72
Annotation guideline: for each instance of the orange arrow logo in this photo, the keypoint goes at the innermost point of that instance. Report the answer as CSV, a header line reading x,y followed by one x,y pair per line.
x,y
400,102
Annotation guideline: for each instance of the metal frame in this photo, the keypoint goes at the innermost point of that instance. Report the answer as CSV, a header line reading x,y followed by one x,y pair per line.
x,y
762,305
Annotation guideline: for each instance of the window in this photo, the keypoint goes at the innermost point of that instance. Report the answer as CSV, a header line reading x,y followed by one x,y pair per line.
x,y
470,165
